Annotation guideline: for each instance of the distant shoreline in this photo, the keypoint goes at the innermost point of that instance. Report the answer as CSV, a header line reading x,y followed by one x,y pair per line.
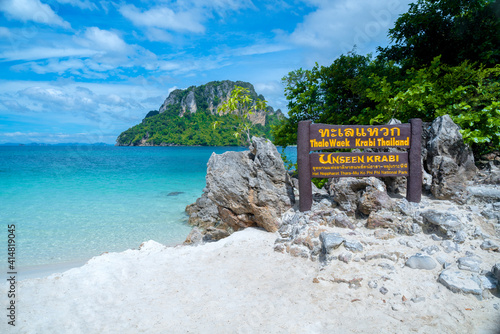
x,y
58,144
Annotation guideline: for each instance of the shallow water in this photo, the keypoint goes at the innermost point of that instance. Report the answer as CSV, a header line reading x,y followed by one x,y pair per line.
x,y
71,203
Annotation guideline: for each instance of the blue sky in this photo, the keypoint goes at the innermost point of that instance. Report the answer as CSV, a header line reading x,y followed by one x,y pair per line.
x,y
84,71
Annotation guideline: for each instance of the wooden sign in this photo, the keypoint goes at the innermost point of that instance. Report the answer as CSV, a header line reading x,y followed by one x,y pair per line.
x,y
326,165
323,136
312,137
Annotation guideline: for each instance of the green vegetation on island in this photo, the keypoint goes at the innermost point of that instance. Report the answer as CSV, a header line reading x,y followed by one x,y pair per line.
x,y
192,117
444,60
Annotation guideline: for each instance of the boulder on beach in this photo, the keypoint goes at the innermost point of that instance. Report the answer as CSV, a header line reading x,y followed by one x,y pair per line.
x,y
249,188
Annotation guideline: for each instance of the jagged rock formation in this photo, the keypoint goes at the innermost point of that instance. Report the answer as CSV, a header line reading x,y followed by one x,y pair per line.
x,y
209,97
448,160
186,117
249,188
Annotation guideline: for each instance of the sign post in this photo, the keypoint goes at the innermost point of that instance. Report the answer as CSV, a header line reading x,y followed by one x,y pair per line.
x,y
312,137
414,180
304,166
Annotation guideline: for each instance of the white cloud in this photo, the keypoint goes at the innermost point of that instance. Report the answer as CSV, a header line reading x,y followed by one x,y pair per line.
x,y
259,49
224,7
337,26
5,32
182,16
52,97
76,99
37,53
273,92
270,87
13,105
158,35
90,101
168,66
85,4
91,53
95,38
165,18
32,10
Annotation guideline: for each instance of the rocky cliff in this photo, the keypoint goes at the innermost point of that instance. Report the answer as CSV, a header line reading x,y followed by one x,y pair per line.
x,y
209,97
186,117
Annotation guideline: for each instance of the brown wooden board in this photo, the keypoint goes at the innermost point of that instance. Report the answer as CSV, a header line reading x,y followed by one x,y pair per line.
x,y
326,165
324,136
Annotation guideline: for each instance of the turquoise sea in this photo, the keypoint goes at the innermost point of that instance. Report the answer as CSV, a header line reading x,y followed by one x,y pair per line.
x,y
70,203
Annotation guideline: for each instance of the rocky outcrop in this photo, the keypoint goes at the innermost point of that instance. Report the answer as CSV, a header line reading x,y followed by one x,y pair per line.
x,y
209,97
489,165
455,247
448,160
249,188
359,195
447,163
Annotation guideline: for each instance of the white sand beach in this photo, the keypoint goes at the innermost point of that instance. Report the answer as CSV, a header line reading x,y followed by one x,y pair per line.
x,y
240,285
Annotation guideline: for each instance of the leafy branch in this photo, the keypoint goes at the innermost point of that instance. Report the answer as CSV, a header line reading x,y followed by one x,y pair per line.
x,y
241,105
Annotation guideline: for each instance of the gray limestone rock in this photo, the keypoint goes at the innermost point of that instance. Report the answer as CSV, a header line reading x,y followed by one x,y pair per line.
x,y
250,188
419,261
489,282
443,261
460,281
372,201
488,194
491,212
391,220
194,237
214,234
489,245
418,299
448,223
341,220
353,246
436,237
495,270
330,241
478,233
431,249
460,237
489,168
415,228
203,212
449,160
449,246
345,257
367,194
469,263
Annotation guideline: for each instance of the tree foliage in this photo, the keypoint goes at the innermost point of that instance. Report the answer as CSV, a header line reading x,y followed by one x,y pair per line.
x,y
444,60
178,124
335,94
469,93
456,30
168,128
241,106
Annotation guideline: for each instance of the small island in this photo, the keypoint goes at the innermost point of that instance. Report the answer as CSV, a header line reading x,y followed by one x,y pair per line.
x,y
187,117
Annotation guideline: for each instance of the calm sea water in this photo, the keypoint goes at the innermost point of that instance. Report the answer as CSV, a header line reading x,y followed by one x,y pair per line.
x,y
75,202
